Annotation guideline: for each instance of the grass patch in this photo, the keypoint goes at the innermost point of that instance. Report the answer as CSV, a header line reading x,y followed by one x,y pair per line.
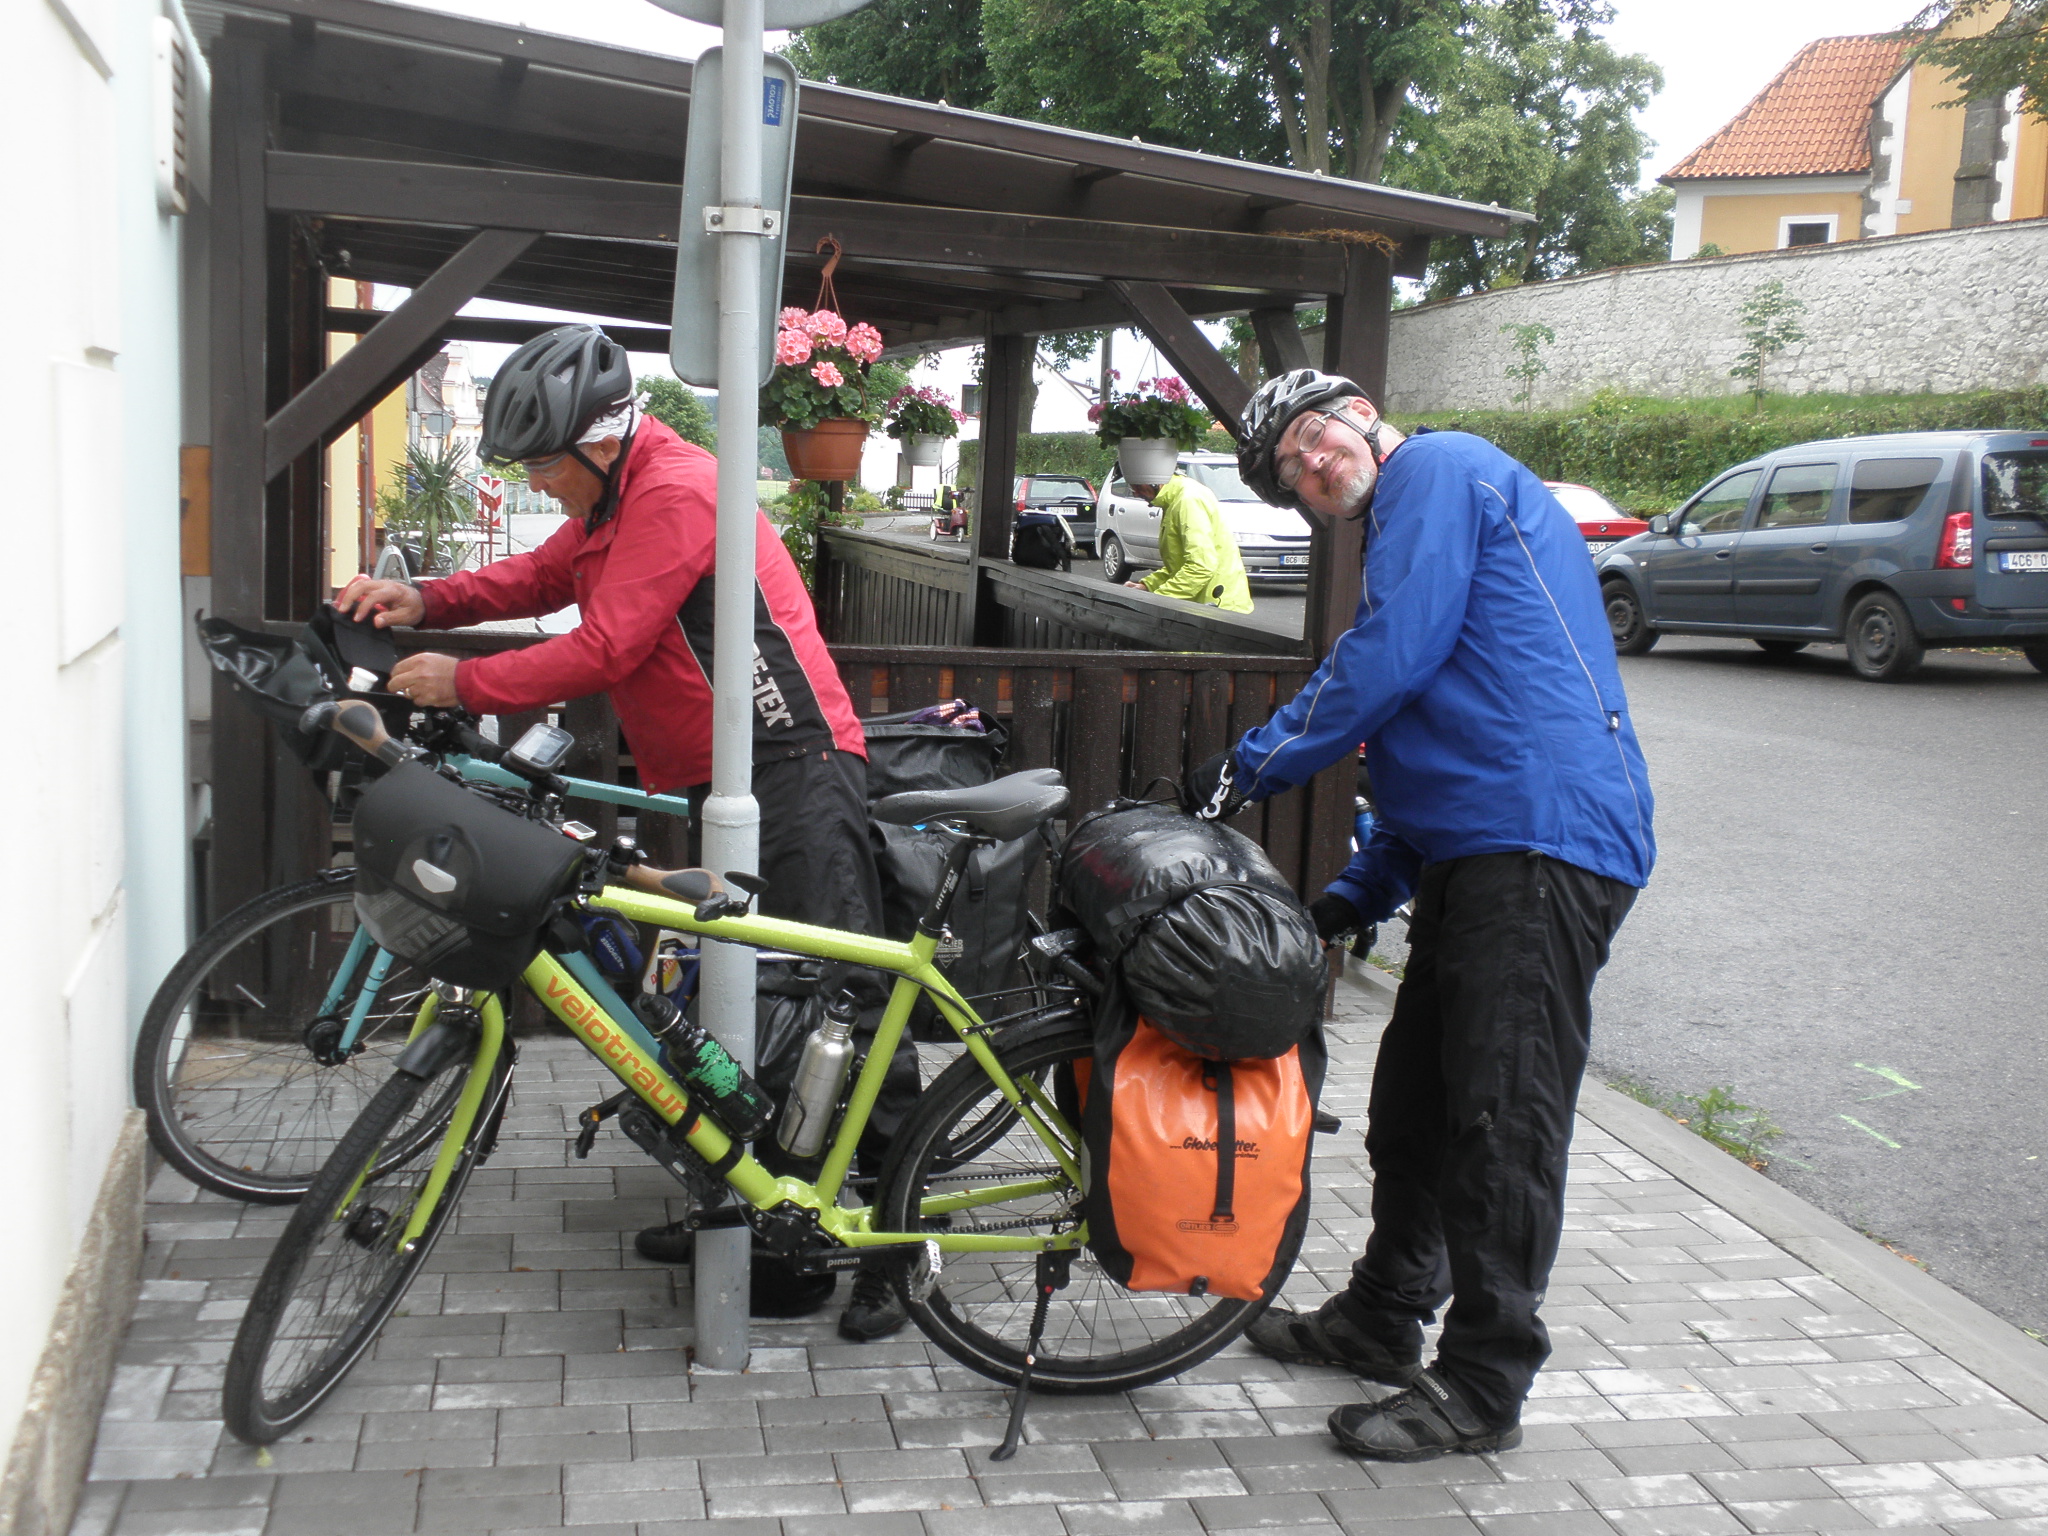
x,y
1741,1130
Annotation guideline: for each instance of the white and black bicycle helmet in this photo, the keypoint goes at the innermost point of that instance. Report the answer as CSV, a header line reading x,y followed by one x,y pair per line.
x,y
549,392
1266,418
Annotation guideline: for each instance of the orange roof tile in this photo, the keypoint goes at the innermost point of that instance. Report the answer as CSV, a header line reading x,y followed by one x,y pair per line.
x,y
1813,120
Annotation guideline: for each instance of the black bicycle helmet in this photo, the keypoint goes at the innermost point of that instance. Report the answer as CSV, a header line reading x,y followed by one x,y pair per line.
x,y
549,392
1278,402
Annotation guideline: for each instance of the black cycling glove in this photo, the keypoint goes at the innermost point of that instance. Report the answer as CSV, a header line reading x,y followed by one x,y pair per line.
x,y
1334,917
1210,792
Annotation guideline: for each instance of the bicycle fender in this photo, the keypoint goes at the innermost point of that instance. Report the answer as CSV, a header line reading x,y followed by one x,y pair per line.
x,y
444,1041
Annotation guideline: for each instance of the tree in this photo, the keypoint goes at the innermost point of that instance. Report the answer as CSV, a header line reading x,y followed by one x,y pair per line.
x,y
1770,324
1527,367
2009,55
682,408
434,496
1540,115
928,52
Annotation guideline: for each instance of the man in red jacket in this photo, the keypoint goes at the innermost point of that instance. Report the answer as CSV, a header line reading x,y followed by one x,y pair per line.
x,y
636,558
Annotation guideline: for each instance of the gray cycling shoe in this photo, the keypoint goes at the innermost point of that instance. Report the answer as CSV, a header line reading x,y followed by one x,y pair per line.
x,y
1327,1337
1428,1420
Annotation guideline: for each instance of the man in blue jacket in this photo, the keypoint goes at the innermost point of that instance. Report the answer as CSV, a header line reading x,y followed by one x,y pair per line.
x,y
1514,809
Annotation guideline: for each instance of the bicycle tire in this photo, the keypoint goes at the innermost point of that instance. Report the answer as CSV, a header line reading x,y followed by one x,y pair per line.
x,y
330,1282
1099,1337
234,1097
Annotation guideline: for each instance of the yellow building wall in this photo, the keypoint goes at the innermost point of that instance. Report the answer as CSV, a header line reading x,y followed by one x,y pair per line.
x,y
1740,223
1934,148
344,468
2029,170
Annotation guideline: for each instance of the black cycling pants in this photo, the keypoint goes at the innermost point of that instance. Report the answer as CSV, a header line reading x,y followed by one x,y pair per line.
x,y
1471,1113
815,853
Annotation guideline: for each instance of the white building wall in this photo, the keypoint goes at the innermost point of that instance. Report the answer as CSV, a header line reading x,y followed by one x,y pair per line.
x,y
90,400
1934,313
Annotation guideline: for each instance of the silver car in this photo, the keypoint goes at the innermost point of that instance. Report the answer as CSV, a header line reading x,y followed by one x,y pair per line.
x,y
1273,541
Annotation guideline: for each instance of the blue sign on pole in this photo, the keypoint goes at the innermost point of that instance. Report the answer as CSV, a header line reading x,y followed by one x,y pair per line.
x,y
771,102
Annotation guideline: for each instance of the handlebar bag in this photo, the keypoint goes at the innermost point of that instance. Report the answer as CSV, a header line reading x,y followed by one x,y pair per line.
x,y
1211,943
454,883
279,676
1198,1170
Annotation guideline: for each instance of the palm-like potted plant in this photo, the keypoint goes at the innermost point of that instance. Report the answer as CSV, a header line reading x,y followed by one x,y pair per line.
x,y
431,498
818,394
921,419
1151,426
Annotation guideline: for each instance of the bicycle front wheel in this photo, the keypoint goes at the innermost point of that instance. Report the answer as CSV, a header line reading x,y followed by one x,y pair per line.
x,y
341,1265
245,1064
1099,1337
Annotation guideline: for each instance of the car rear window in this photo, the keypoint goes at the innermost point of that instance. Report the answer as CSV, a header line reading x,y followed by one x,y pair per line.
x,y
1053,487
2016,485
1887,490
1799,496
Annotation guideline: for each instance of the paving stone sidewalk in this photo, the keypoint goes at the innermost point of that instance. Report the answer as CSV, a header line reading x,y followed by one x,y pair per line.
x,y
1705,1382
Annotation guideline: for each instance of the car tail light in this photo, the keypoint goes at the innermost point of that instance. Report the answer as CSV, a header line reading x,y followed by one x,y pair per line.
x,y
1956,551
1021,504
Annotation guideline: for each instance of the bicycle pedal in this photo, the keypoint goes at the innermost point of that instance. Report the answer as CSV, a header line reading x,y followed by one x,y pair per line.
x,y
589,1120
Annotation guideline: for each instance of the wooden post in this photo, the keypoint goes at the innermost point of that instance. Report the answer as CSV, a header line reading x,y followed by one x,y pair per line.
x,y
240,742
1006,370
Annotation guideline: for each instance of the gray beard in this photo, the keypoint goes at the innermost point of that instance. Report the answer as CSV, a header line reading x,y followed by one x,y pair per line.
x,y
1352,493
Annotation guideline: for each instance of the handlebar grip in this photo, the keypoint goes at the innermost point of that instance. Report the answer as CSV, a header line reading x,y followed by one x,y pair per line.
x,y
361,724
680,884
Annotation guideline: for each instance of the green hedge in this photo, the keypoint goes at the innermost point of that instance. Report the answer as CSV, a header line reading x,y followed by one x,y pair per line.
x,y
1648,459
1066,453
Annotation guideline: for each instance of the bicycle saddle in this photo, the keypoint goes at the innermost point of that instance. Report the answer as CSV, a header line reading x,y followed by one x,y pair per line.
x,y
1003,809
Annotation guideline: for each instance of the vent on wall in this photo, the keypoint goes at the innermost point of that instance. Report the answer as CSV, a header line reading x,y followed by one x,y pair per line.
x,y
173,103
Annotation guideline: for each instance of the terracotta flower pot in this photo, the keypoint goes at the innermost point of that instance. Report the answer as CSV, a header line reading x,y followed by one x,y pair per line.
x,y
828,451
1147,460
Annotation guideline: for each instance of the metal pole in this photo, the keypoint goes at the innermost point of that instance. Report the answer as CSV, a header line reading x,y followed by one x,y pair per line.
x,y
732,819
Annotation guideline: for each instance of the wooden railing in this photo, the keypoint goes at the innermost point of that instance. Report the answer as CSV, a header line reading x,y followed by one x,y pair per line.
x,y
1112,723
873,589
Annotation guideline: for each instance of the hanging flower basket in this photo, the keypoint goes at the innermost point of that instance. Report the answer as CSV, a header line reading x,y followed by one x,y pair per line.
x,y
828,451
1147,460
921,450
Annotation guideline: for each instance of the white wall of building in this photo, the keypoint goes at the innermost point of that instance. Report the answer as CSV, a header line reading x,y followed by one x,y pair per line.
x,y
90,397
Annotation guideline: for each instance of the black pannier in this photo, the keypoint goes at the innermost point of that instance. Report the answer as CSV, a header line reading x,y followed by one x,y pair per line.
x,y
456,885
1210,943
991,914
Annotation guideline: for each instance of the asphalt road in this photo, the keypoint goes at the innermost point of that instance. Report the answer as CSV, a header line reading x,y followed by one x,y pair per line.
x,y
1845,926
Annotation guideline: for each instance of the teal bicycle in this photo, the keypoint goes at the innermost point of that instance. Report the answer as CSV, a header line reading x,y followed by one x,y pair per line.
x,y
281,1021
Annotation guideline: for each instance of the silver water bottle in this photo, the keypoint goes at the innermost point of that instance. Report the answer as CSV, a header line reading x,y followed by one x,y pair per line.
x,y
820,1079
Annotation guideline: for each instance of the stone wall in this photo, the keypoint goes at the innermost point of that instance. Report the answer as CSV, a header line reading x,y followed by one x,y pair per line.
x,y
1934,313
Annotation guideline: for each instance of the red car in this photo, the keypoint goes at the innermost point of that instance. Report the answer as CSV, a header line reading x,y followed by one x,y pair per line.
x,y
1600,520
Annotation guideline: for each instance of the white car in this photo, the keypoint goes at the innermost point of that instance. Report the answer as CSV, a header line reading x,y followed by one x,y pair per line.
x,y
1273,541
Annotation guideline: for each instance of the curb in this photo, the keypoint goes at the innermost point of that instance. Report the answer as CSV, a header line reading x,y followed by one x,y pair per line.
x,y
1978,1340
1369,978
1975,1338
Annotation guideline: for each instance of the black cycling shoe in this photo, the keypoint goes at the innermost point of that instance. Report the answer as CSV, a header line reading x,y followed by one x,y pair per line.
x,y
1426,1421
1327,1337
672,1244
874,1311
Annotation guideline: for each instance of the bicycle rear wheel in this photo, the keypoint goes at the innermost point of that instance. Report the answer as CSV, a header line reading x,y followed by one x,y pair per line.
x,y
228,1063
1099,1337
338,1271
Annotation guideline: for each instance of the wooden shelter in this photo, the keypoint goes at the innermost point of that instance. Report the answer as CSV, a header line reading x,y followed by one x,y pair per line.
x,y
463,159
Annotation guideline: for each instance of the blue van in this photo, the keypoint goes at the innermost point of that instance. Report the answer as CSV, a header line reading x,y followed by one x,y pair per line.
x,y
1885,544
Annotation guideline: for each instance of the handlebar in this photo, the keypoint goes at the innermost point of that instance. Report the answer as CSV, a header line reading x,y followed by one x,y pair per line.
x,y
681,884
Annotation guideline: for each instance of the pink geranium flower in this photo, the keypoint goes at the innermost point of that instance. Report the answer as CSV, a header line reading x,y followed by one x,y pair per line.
x,y
828,375
864,342
827,327
1095,413
792,347
792,318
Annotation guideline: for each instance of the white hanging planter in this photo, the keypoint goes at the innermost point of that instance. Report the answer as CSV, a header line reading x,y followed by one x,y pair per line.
x,y
921,450
1147,460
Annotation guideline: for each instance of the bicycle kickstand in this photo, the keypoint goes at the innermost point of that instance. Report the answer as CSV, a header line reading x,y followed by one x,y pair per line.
x,y
1054,1269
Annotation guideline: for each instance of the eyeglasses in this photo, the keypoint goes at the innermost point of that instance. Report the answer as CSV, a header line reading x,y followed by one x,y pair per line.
x,y
1288,471
546,466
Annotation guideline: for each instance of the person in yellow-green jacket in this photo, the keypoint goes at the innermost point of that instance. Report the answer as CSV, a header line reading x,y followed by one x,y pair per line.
x,y
1197,551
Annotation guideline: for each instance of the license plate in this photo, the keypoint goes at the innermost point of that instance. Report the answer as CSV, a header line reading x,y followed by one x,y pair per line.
x,y
2023,560
1294,559
1595,546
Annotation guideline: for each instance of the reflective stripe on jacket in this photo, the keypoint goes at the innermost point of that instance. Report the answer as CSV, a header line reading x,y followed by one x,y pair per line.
x,y
642,582
1480,674
1197,551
